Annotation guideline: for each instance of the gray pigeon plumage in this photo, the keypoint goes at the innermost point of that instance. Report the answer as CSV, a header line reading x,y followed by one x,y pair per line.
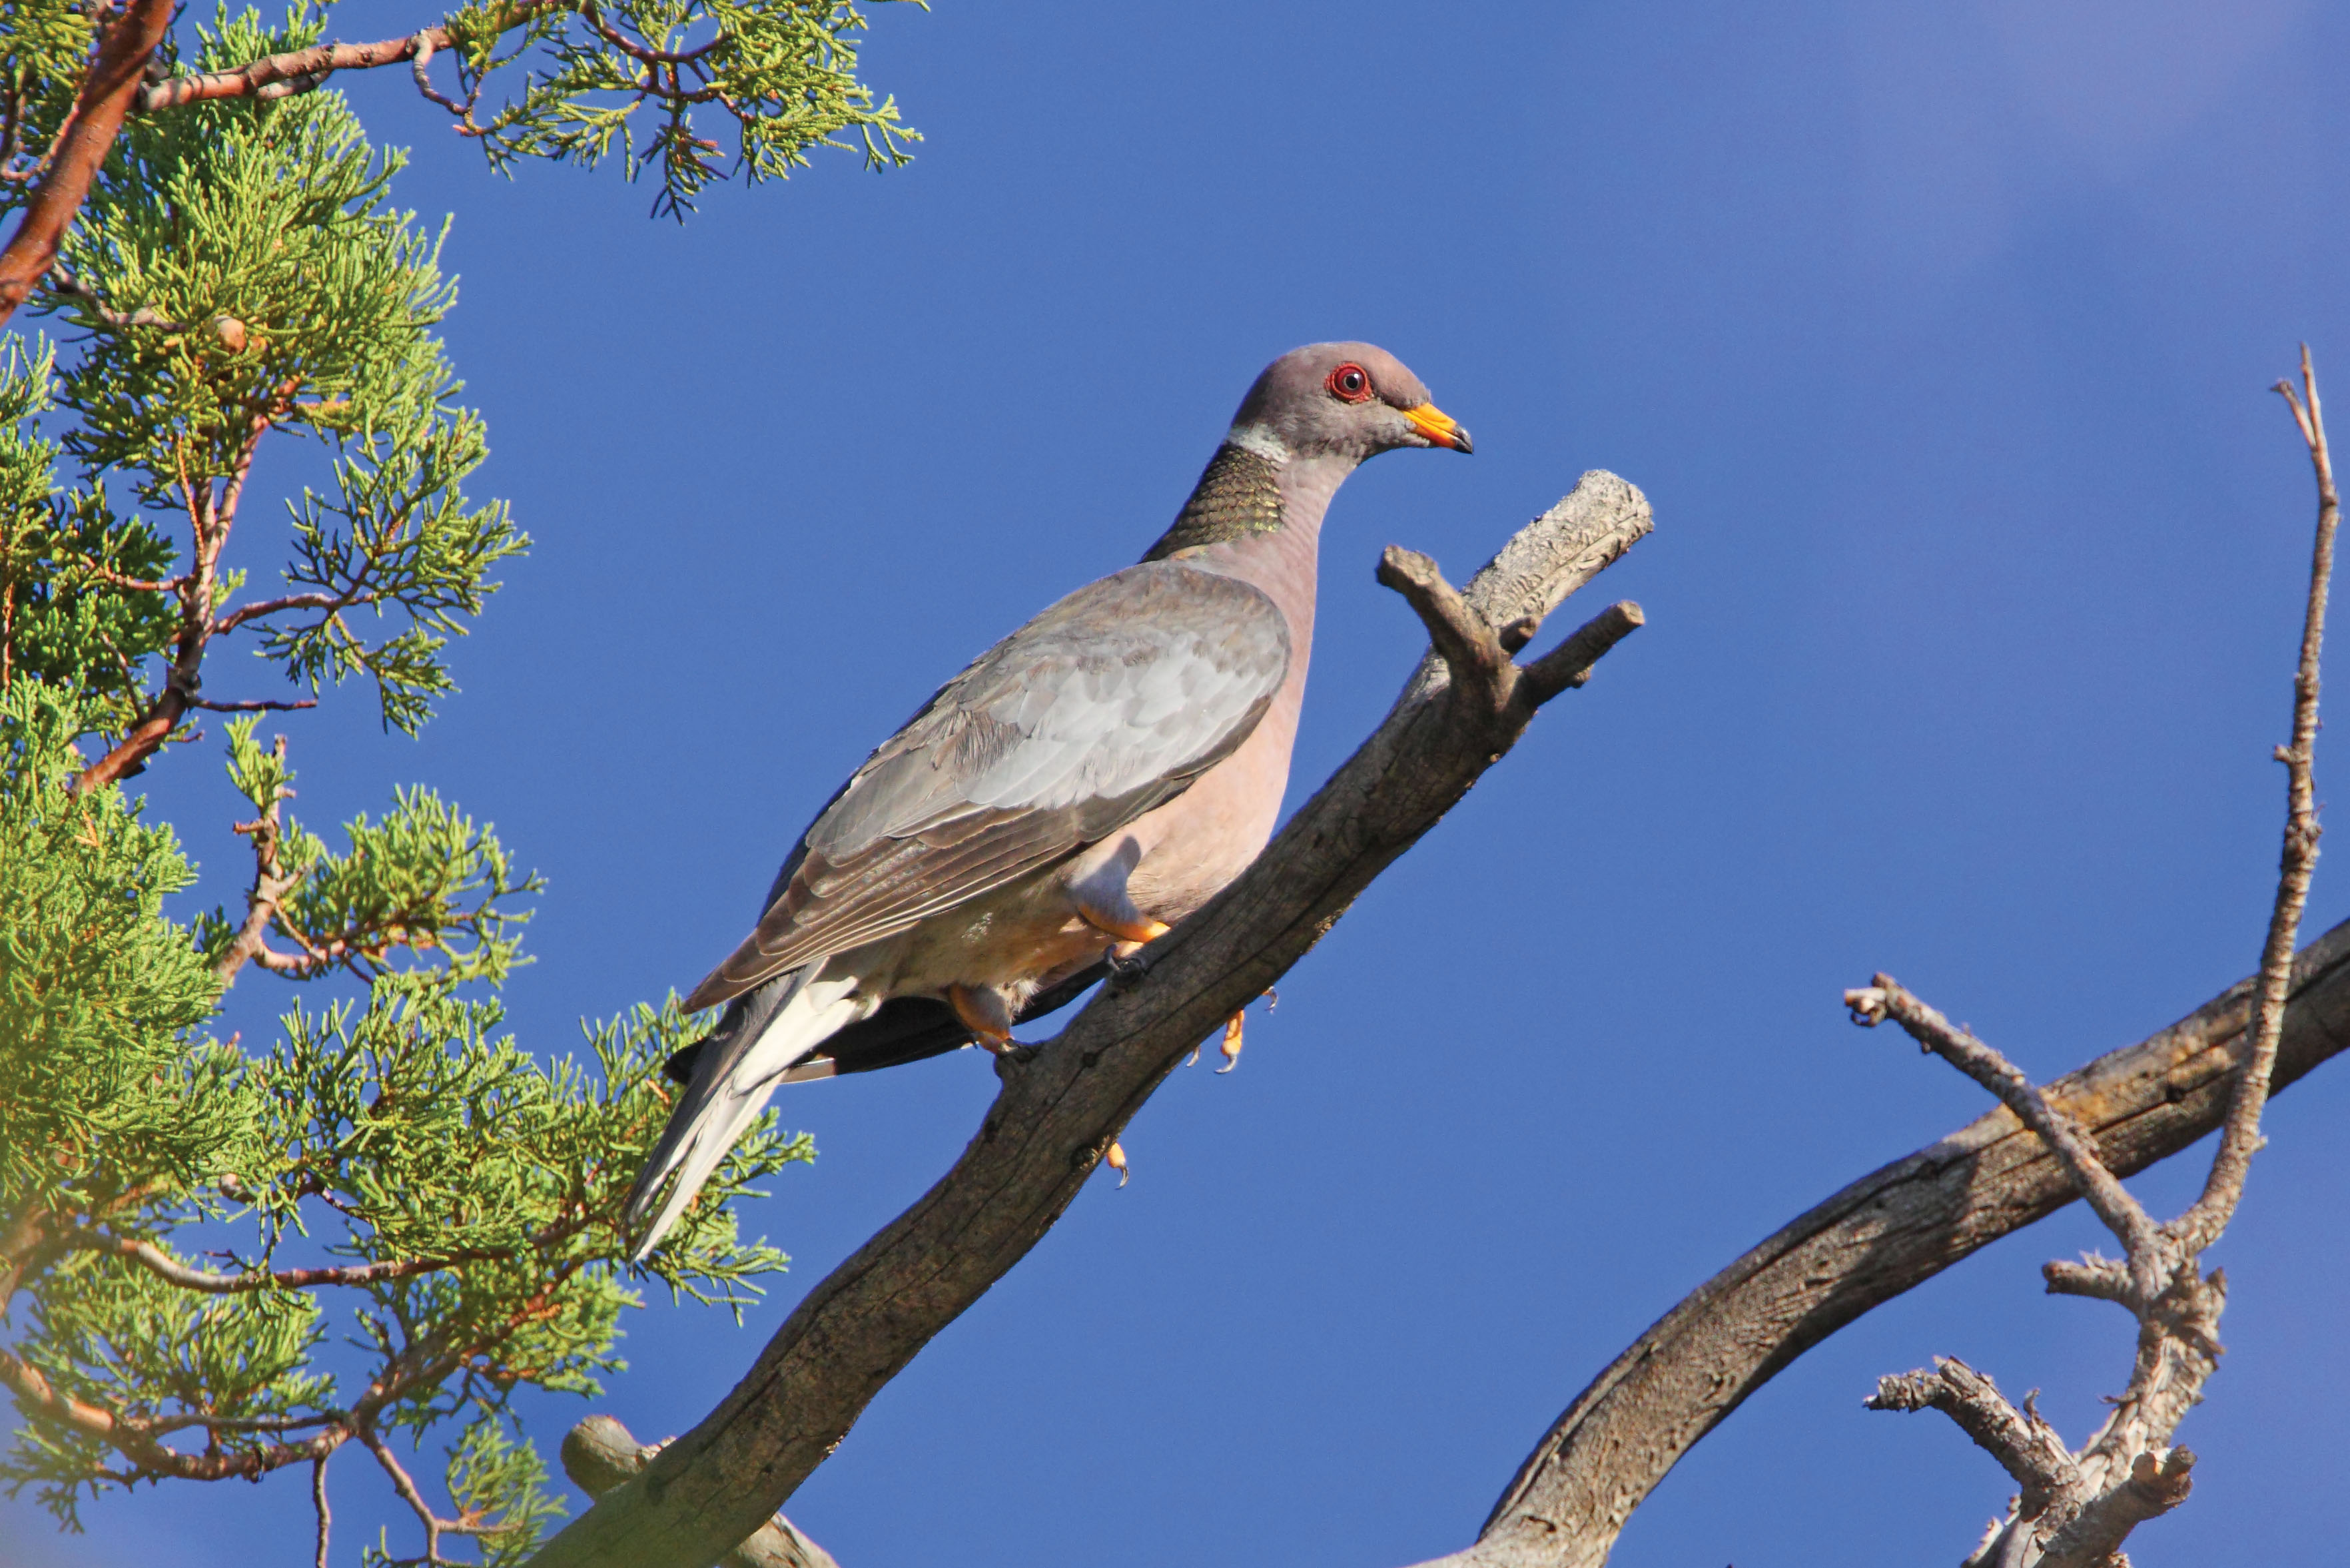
x,y
1082,786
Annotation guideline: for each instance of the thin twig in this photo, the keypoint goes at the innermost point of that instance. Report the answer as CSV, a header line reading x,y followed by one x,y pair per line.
x,y
60,281
318,1502
2201,1225
170,1270
256,705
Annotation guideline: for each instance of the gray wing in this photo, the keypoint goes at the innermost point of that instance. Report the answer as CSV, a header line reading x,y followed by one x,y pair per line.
x,y
1104,707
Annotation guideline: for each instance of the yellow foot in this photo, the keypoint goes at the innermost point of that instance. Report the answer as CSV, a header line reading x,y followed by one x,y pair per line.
x,y
1130,928
1116,1161
1232,1045
982,1012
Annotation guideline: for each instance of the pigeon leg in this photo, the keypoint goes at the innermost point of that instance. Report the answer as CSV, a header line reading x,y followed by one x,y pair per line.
x,y
982,1012
1116,1161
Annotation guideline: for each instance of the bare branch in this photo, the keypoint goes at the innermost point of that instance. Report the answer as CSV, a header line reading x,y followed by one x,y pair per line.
x,y
255,705
640,52
2201,1225
1479,657
264,903
224,624
1878,1238
1459,635
318,1503
2096,1277
2158,1483
1569,665
2122,1214
172,1271
2026,1447
2126,1473
599,1454
138,1442
302,70
435,1527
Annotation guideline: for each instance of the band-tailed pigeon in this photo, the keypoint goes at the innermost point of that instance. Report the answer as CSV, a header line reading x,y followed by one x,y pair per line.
x,y
1086,783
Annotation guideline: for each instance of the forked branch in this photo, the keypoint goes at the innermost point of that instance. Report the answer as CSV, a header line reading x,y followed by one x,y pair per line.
x,y
2077,1515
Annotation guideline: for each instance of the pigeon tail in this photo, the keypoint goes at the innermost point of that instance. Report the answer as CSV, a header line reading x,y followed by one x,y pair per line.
x,y
760,1039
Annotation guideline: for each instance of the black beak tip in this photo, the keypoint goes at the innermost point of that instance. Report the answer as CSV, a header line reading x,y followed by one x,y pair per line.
x,y
1460,441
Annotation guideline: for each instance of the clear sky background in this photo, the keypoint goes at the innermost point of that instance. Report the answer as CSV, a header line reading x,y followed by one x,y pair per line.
x,y
1939,337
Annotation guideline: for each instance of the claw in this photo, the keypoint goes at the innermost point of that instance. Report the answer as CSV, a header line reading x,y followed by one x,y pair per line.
x,y
1116,1161
1232,1045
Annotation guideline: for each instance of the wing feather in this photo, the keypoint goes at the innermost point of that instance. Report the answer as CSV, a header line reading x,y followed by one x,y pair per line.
x,y
1105,707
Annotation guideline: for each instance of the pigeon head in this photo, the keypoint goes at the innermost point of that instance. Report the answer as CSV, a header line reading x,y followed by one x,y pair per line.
x,y
1348,400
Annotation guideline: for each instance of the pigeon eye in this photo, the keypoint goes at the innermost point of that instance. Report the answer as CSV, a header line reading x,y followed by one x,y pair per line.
x,y
1350,383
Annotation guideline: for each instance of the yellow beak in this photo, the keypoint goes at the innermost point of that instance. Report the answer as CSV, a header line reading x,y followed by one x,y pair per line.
x,y
1438,427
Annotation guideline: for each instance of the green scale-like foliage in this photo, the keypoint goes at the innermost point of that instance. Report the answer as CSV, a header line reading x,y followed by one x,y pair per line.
x,y
394,1173
60,620
101,1093
285,292
367,1233
784,75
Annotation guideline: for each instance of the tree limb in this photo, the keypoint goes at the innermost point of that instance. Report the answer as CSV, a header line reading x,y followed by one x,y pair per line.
x,y
302,70
1058,1113
81,146
1882,1236
599,1454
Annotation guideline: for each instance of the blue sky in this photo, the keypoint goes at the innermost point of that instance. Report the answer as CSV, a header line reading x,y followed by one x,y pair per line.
x,y
1939,340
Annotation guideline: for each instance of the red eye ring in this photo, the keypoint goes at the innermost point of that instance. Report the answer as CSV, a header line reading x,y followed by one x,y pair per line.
x,y
1350,383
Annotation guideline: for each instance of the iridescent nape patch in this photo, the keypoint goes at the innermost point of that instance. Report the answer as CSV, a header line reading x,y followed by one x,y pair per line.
x,y
1240,495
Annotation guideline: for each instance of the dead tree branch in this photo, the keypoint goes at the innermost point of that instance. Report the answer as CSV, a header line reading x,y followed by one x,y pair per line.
x,y
2200,1225
1058,1115
1877,1238
599,1454
2076,1515
1883,998
2029,1448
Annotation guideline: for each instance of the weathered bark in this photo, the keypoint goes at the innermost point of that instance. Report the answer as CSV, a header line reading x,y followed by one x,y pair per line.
x,y
1877,1237
1060,1111
599,1454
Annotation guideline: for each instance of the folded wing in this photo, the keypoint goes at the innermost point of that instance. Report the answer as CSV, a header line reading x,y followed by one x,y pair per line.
x,y
1104,707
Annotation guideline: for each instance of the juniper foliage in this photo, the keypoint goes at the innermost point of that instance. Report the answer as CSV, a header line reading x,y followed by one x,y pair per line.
x,y
224,1258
